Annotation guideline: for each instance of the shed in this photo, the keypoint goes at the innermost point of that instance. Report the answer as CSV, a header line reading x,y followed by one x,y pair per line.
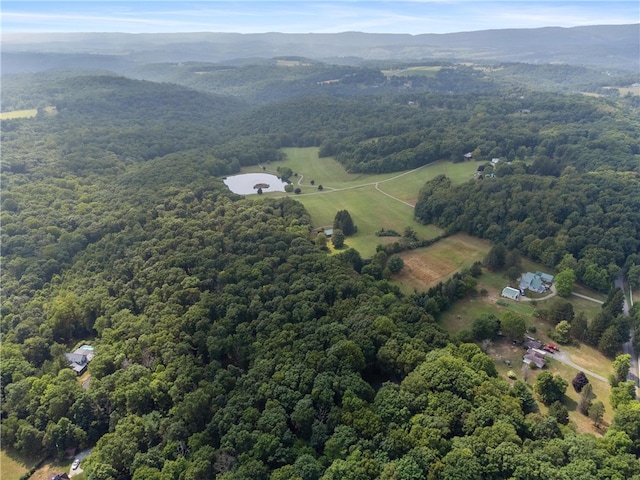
x,y
511,293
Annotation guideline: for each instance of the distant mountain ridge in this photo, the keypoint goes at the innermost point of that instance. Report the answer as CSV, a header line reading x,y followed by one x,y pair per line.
x,y
606,46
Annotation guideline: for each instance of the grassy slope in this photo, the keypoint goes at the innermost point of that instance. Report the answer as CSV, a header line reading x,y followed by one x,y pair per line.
x,y
18,114
13,466
370,208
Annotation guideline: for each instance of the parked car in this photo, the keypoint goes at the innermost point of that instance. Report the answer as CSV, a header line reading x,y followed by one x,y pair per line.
x,y
553,347
547,348
75,464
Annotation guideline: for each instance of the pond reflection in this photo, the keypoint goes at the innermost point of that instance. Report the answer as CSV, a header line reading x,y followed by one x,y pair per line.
x,y
248,183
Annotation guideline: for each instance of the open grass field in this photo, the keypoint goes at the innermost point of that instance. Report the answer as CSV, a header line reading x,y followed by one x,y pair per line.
x,y
18,114
374,201
25,113
370,211
408,186
11,467
423,71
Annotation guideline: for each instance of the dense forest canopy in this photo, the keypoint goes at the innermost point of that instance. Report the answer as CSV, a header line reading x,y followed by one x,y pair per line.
x,y
228,343
593,218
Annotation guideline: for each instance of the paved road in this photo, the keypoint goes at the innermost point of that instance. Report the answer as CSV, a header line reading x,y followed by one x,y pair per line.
x,y
81,456
546,297
627,347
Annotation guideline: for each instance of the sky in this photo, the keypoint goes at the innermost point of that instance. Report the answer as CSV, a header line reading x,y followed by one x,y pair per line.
x,y
296,16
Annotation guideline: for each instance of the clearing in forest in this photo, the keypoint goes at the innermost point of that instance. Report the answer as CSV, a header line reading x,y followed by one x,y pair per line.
x,y
375,201
426,267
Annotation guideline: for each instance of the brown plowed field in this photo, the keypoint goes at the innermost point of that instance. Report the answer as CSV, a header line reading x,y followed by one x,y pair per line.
x,y
426,267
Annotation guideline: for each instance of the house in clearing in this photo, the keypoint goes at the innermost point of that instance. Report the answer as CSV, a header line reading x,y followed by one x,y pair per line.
x,y
79,360
512,293
535,356
536,282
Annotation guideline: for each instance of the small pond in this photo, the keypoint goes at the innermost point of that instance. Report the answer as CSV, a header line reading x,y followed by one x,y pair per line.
x,y
248,183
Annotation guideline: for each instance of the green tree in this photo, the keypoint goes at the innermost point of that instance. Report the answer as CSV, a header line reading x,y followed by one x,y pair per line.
x,y
344,222
485,326
633,276
550,388
627,419
564,282
560,412
321,240
513,325
562,332
579,327
596,413
621,366
495,259
610,341
622,393
395,264
337,239
586,396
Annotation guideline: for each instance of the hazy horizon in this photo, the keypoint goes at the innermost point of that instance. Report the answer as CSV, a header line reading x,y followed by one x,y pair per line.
x,y
406,17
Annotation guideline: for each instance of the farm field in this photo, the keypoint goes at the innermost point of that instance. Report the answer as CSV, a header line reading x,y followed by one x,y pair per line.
x,y
371,206
30,113
18,114
422,71
428,266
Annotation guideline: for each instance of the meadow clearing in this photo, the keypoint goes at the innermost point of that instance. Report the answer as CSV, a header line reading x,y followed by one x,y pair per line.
x,y
374,201
30,113
421,71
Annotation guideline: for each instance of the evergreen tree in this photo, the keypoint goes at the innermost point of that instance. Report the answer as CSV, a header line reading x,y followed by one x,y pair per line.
x,y
495,259
344,222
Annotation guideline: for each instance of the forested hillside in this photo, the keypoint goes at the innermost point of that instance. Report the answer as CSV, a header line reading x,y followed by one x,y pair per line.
x,y
588,221
228,344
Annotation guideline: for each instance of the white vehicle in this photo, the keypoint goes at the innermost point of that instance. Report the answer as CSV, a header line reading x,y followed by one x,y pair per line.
x,y
75,464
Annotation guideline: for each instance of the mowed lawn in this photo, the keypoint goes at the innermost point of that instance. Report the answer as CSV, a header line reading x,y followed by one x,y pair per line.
x,y
370,211
374,201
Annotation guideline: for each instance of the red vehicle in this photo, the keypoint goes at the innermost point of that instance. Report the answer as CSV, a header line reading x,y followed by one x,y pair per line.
x,y
547,348
553,347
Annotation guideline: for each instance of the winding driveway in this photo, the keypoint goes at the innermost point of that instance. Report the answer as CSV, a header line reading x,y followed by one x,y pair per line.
x,y
546,297
563,357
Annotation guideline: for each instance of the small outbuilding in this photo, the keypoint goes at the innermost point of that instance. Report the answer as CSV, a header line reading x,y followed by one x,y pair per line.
x,y
512,293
